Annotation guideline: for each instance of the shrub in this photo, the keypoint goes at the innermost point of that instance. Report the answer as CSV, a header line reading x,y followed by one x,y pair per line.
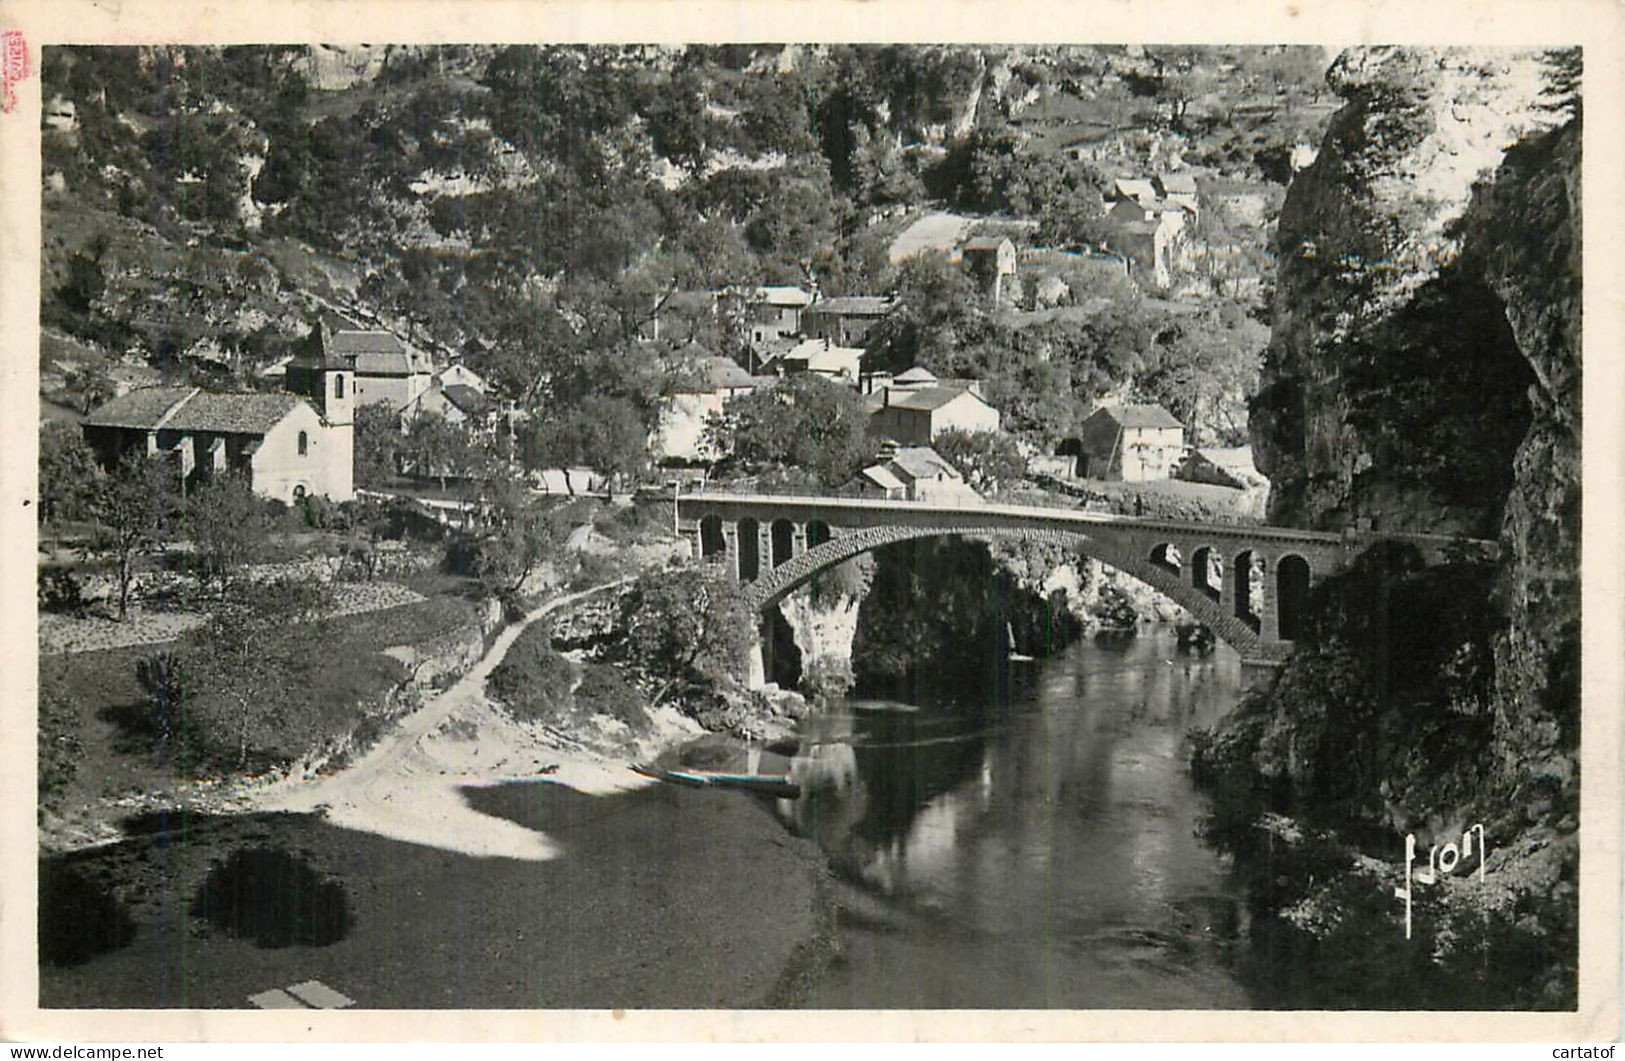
x,y
59,744
321,513
60,591
534,681
604,691
163,676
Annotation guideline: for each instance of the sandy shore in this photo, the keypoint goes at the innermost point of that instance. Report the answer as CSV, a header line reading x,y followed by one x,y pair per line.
x,y
408,785
485,864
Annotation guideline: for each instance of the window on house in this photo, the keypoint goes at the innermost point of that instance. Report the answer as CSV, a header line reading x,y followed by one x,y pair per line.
x,y
338,386
304,443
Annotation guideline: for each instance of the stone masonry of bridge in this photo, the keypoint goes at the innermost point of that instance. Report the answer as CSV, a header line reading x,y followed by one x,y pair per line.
x,y
1215,571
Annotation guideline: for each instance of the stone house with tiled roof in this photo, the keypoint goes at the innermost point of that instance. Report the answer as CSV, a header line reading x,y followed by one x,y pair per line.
x,y
456,403
282,444
916,416
845,319
1130,443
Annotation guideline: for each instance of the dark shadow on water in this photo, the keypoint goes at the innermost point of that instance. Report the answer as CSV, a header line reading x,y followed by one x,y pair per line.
x,y
79,918
275,899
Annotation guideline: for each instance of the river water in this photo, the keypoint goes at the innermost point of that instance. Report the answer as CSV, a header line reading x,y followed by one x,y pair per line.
x,y
1040,852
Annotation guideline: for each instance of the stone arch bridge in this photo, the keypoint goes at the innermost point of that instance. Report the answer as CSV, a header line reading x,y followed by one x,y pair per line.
x,y
1249,584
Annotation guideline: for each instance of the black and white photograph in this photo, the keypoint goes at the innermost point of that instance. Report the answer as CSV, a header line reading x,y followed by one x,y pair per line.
x,y
798,525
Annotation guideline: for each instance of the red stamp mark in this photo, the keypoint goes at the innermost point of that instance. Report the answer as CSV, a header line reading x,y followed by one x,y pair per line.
x,y
13,65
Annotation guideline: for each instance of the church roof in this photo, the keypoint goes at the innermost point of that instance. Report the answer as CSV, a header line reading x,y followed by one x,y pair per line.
x,y
193,409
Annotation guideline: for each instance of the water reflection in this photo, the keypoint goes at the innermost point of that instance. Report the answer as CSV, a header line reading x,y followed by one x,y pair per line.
x,y
1035,853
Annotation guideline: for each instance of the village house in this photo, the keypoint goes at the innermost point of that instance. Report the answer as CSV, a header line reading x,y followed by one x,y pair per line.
x,y
990,259
916,416
775,312
1147,228
286,448
457,403
688,406
1131,443
460,374
762,315
839,364
846,319
912,473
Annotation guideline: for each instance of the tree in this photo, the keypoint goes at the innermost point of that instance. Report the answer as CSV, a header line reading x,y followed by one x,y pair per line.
x,y
804,422
602,432
134,507
379,445
251,642
431,447
937,307
516,537
68,475
988,460
226,523
690,625
365,521
93,385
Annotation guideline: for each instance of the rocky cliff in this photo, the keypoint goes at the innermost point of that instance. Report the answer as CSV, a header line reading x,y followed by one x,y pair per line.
x,y
1424,368
1424,374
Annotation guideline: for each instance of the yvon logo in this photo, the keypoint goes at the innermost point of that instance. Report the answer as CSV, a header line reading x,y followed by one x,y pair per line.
x,y
1440,860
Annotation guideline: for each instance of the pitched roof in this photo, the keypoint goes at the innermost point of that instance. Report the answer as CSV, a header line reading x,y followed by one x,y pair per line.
x,y
142,408
825,357
355,341
1178,183
880,475
1134,188
986,243
397,362
1141,415
465,398
854,305
930,399
917,374
192,409
922,462
714,373
1238,458
783,296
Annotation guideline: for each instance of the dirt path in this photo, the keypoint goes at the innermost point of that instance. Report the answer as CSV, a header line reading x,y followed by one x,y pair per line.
x,y
406,787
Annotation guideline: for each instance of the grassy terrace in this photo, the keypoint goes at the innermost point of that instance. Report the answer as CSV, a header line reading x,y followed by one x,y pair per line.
x,y
321,694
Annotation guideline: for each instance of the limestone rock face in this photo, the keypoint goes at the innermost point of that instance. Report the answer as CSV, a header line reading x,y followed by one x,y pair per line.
x,y
1424,367
1394,387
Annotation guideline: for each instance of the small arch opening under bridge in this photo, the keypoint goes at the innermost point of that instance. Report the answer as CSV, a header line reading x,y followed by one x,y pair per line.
x,y
750,549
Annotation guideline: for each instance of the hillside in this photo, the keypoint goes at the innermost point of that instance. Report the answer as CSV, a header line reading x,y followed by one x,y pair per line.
x,y
530,208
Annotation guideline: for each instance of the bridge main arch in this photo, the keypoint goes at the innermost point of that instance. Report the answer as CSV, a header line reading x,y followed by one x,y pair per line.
x,y
797,571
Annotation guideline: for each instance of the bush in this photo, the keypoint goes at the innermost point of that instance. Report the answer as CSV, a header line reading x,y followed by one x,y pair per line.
x,y
533,681
603,691
321,513
163,676
59,745
60,591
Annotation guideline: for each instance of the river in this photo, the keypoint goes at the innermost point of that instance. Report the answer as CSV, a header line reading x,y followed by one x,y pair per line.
x,y
1040,852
